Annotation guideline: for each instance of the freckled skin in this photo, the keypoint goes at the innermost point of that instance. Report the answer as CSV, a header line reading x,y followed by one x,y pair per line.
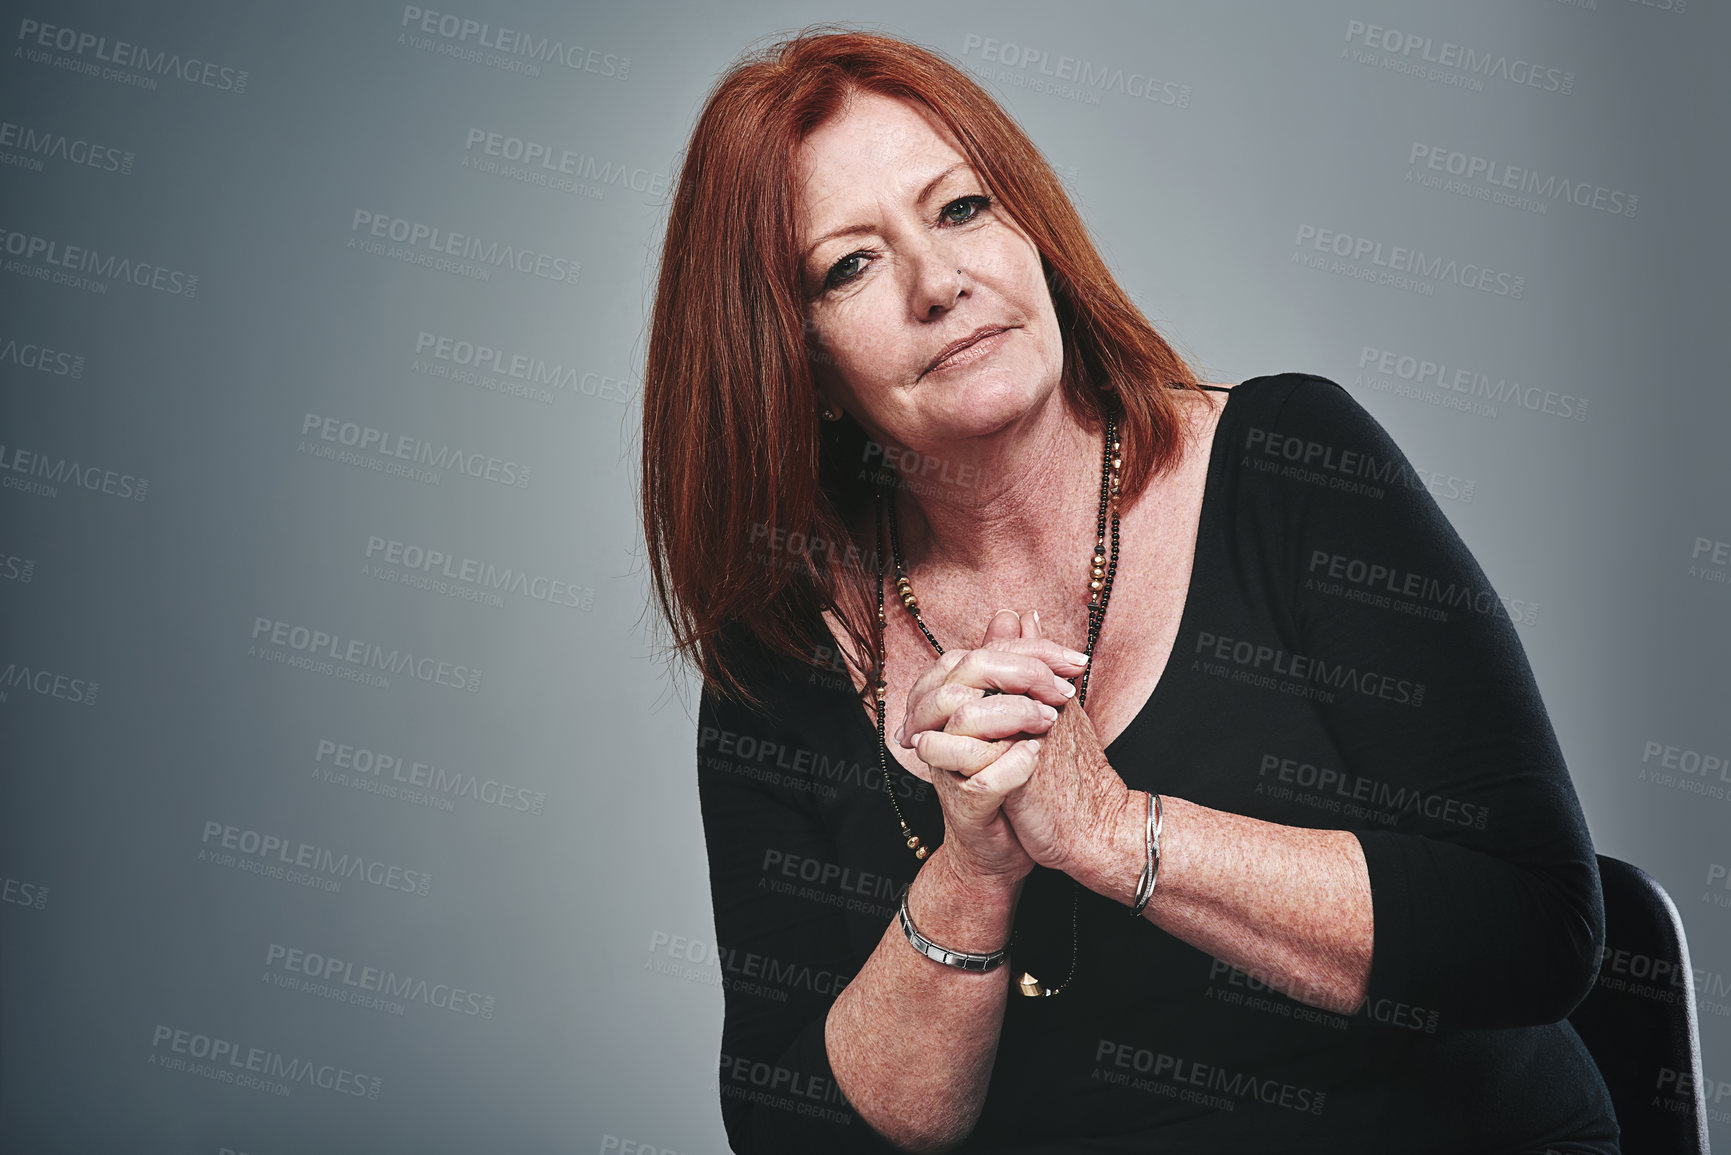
x,y
912,1043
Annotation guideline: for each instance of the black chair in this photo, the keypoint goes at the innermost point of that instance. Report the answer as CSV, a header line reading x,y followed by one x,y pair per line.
x,y
1639,1019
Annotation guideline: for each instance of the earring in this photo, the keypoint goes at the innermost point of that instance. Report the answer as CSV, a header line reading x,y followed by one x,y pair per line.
x,y
830,414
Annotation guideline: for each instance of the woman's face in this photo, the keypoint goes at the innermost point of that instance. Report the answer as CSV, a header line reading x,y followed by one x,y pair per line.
x,y
888,209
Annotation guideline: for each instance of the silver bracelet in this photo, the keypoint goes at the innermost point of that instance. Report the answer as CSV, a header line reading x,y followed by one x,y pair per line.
x,y
1151,868
964,960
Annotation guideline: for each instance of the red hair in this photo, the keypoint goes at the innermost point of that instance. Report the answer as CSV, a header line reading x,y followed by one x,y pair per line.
x,y
732,446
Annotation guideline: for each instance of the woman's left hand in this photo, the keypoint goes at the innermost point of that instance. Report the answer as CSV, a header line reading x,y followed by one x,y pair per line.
x,y
1074,798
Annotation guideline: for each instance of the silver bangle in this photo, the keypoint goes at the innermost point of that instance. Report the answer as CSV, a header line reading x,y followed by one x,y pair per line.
x,y
1150,868
961,959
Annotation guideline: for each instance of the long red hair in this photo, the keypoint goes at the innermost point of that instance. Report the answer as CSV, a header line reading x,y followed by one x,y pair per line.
x,y
734,454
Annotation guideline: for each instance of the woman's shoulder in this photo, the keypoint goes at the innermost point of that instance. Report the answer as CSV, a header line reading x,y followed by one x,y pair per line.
x,y
1302,418
1278,390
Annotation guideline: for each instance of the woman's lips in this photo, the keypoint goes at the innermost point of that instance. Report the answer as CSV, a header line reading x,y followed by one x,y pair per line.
x,y
981,346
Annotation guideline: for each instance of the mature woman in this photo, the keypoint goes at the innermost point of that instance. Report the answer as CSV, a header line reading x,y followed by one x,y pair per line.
x,y
1281,855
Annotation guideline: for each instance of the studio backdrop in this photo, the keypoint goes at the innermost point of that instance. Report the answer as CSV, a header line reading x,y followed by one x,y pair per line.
x,y
348,805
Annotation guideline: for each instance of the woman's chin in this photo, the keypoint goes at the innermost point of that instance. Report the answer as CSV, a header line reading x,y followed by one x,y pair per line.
x,y
981,403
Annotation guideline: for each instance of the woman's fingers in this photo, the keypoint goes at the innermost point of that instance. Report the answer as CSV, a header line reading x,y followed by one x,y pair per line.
x,y
1000,716
1009,773
1003,626
1034,667
1001,658
978,733
1030,624
976,800
958,753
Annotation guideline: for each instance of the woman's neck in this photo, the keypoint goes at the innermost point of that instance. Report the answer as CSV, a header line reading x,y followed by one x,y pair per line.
x,y
1010,535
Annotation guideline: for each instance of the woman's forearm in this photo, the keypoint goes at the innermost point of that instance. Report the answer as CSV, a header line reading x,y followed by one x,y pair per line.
x,y
1286,904
912,1041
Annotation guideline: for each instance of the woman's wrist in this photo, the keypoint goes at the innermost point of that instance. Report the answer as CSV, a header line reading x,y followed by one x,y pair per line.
x,y
1114,855
963,909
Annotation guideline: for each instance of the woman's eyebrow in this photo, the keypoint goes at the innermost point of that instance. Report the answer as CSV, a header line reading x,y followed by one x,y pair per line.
x,y
862,229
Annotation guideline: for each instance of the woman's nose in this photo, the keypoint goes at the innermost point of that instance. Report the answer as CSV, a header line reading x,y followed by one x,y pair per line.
x,y
938,281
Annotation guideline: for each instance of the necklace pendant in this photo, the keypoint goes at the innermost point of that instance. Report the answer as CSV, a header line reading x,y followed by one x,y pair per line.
x,y
1028,985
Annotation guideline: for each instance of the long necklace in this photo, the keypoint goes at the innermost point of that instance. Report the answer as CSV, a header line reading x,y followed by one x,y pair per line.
x,y
1102,568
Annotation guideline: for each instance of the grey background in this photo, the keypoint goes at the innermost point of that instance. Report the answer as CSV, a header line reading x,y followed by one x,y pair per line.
x,y
587,924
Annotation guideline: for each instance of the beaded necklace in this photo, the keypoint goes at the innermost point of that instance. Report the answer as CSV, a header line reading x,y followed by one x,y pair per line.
x,y
1102,568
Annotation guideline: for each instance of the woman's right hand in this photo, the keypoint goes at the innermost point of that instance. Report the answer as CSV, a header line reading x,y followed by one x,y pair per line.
x,y
977,741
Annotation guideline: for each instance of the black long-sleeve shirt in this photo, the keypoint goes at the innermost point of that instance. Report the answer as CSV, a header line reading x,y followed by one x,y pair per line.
x,y
1342,663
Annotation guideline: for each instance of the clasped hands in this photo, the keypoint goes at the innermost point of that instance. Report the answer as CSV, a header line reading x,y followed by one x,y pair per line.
x,y
1020,773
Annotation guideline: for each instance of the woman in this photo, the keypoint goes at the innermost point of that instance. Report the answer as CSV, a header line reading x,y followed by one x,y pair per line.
x,y
1286,844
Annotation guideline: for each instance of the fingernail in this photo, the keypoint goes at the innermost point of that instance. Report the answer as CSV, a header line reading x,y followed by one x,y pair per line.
x,y
1048,712
1077,656
1036,617
1068,688
1033,745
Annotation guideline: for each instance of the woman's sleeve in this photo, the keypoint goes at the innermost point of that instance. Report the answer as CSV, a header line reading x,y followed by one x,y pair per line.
x,y
1485,887
784,957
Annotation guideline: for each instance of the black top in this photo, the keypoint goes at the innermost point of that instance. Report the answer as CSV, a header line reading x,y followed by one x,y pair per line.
x,y
1341,663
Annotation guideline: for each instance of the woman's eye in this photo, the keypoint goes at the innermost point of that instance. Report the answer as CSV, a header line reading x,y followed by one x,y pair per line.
x,y
969,208
844,270
957,212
